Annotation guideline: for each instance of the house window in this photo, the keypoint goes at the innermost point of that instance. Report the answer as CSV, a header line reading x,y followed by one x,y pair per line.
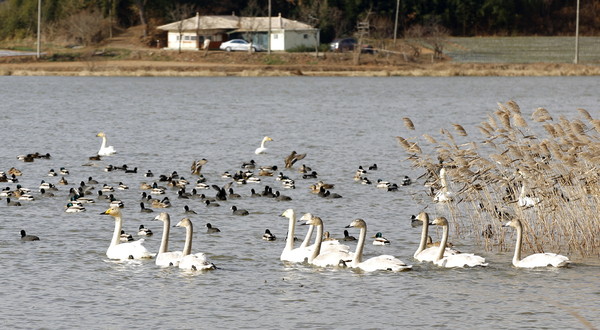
x,y
305,36
194,37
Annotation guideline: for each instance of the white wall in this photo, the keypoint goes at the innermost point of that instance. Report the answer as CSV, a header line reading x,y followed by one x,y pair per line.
x,y
284,40
188,41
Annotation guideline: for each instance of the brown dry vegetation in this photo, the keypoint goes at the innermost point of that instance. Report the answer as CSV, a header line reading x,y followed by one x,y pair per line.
x,y
550,159
148,62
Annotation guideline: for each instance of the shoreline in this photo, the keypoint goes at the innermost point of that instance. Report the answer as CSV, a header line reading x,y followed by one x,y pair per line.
x,y
221,64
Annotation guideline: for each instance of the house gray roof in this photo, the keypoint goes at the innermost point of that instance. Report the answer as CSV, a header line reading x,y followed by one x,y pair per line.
x,y
232,22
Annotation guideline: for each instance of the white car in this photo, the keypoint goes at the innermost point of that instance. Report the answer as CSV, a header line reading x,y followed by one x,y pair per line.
x,y
239,44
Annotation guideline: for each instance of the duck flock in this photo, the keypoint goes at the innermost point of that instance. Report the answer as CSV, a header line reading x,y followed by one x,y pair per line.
x,y
317,248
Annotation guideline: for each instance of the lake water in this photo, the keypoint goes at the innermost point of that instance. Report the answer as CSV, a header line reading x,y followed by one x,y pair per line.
x,y
163,124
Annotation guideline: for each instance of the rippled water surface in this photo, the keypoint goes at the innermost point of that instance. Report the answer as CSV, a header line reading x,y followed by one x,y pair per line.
x,y
163,124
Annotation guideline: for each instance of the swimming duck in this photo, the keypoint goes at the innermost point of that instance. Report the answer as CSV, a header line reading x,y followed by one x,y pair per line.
x,y
143,231
125,237
280,197
249,165
12,203
347,236
25,237
293,158
380,240
74,207
149,174
64,171
209,204
210,229
187,210
267,236
304,169
237,211
197,166
52,173
311,175
373,167
382,184
63,181
143,208
406,181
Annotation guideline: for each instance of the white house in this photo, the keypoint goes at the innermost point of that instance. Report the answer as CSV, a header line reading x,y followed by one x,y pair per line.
x,y
189,34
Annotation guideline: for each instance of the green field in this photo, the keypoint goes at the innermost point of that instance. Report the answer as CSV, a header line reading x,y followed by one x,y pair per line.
x,y
523,49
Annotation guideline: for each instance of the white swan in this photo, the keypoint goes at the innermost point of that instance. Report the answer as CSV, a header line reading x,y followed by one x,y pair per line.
x,y
289,253
382,262
166,258
326,245
443,195
331,256
262,148
104,149
196,261
454,260
124,251
425,253
534,260
525,200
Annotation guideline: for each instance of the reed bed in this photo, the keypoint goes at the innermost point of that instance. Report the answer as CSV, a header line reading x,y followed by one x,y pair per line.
x,y
552,162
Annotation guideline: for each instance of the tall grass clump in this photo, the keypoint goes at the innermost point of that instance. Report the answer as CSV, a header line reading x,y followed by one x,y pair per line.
x,y
536,167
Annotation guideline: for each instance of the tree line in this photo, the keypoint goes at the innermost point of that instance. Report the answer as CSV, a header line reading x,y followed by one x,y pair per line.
x,y
65,19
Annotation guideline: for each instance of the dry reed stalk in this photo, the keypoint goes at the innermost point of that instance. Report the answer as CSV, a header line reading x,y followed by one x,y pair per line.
x,y
596,123
408,123
550,129
402,141
448,135
513,106
430,139
585,114
492,122
519,121
460,130
504,119
484,131
541,115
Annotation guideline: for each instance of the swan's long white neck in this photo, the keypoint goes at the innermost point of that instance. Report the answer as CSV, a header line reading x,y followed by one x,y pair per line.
x,y
116,239
443,179
164,243
318,241
308,236
103,142
289,244
262,144
358,254
187,247
518,245
443,242
424,233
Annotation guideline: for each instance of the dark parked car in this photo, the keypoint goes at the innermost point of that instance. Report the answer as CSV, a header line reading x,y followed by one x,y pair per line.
x,y
348,45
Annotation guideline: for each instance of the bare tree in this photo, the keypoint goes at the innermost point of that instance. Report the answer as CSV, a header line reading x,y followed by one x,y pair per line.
x,y
178,13
141,8
251,12
86,27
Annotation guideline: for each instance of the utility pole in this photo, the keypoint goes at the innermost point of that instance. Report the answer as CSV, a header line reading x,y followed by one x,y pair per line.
x,y
269,34
576,60
39,28
396,21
